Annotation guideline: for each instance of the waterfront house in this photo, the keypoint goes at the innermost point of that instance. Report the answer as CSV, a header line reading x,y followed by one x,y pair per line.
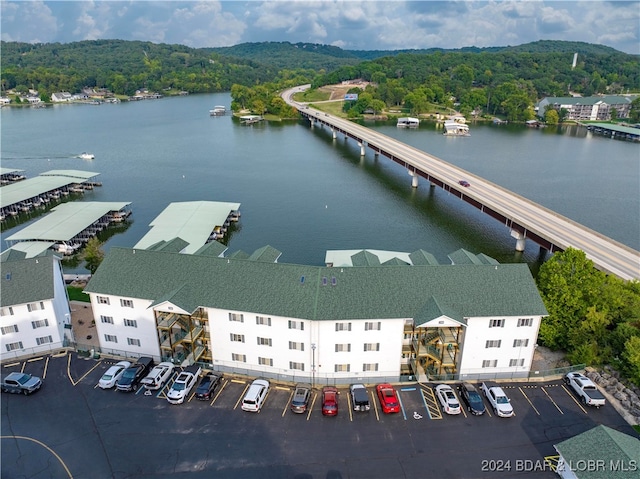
x,y
591,108
61,97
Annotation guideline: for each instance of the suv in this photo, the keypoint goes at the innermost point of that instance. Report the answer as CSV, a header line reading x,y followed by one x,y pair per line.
x,y
255,396
359,397
207,386
158,376
132,375
183,384
300,399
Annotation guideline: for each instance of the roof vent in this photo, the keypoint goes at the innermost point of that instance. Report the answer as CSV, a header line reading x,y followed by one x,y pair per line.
x,y
334,281
7,276
324,281
302,279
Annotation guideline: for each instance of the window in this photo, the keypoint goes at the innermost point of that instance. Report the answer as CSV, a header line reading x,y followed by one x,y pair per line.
x,y
490,363
103,300
296,325
493,343
372,326
236,317
370,367
41,323
372,346
6,311
242,358
35,306
14,346
265,361
525,322
133,342
131,323
343,326
297,346
294,365
44,340
264,341
518,343
238,338
106,319
516,362
9,329
126,303
263,320
408,336
342,368
110,338
343,348
496,323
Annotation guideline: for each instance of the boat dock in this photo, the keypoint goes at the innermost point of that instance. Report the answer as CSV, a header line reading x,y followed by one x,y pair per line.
x,y
408,122
11,175
218,110
250,119
26,195
196,223
614,131
68,227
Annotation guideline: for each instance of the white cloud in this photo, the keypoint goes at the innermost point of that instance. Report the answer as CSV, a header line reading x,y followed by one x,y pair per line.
x,y
31,22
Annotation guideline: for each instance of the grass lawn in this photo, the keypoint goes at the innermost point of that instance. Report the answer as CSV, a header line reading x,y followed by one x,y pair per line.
x,y
77,294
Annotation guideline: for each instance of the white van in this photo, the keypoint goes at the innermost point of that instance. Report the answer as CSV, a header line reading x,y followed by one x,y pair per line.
x,y
255,396
159,375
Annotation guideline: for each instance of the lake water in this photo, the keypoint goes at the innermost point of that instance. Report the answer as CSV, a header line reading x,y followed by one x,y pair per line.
x,y
304,193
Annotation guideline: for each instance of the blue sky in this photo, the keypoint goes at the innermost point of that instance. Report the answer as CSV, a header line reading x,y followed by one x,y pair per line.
x,y
351,24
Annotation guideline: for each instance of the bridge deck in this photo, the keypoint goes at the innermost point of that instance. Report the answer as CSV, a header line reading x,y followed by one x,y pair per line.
x,y
535,222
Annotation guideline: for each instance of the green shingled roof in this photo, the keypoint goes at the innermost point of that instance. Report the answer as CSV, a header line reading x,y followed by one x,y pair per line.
x,y
25,280
602,444
326,293
365,258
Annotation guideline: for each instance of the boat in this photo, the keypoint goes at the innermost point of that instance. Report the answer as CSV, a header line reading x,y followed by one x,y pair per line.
x,y
408,122
454,128
250,119
218,110
86,156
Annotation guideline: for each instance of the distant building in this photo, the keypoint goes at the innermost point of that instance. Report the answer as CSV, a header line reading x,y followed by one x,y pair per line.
x,y
34,307
592,108
62,96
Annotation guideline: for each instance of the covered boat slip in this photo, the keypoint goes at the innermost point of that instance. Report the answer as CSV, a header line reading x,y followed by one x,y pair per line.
x,y
50,181
195,222
69,223
9,175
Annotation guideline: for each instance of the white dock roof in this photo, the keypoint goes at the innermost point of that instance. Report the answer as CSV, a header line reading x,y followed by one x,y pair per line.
x,y
33,248
339,258
6,171
66,221
192,221
50,180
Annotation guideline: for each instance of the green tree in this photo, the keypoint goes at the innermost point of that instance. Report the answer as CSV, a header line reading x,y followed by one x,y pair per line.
x,y
93,254
551,116
631,357
634,114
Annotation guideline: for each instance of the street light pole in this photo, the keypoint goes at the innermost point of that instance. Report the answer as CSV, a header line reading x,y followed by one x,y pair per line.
x,y
313,365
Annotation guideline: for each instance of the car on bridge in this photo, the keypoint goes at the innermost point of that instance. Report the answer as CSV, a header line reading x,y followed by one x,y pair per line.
x,y
464,183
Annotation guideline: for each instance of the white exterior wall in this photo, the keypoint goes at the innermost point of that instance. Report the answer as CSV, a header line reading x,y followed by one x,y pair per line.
x,y
475,350
145,329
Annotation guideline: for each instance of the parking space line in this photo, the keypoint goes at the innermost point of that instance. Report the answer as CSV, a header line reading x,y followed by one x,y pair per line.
x,y
59,355
24,364
544,390
350,408
238,381
315,395
241,395
226,381
11,365
404,414
84,375
62,463
528,400
265,400
281,388
286,406
46,367
574,399
35,359
373,402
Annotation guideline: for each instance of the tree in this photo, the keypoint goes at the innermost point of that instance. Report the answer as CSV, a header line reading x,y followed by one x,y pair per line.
x,y
551,116
631,356
634,114
93,254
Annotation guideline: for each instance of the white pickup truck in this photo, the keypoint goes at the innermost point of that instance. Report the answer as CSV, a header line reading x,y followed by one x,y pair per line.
x,y
499,401
585,389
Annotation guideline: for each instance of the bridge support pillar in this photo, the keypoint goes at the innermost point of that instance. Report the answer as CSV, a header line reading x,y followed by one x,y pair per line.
x,y
414,178
333,133
521,240
362,151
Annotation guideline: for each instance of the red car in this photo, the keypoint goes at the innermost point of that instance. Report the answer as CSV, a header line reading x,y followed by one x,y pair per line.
x,y
464,183
388,398
329,401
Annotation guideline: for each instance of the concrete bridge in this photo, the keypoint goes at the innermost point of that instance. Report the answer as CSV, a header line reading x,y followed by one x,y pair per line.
x,y
525,219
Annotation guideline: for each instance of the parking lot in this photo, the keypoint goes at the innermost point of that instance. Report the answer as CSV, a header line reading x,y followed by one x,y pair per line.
x,y
72,428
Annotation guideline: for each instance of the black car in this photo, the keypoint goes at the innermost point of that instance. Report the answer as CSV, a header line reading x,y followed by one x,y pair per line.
x,y
207,386
472,399
132,376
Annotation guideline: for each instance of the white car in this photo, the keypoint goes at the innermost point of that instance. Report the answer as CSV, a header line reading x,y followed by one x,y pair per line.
x,y
183,384
110,378
448,399
255,396
159,375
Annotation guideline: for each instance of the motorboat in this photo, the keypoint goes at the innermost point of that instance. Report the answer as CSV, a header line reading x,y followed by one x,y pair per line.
x,y
86,156
454,128
408,122
218,110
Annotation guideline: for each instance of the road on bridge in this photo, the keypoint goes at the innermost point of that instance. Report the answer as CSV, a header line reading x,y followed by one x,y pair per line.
x,y
552,230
